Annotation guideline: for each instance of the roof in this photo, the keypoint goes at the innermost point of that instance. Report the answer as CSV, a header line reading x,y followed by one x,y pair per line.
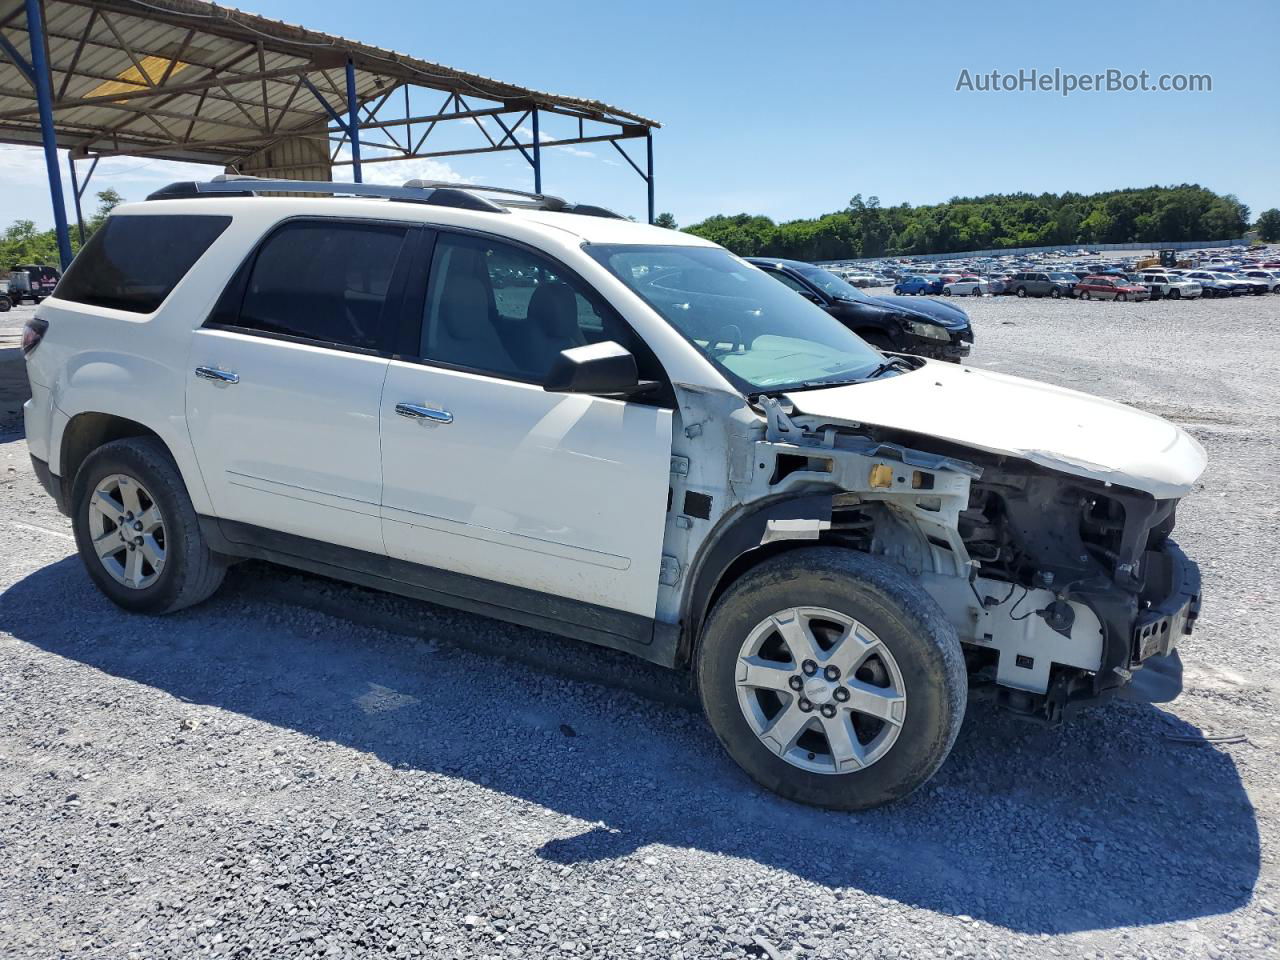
x,y
516,222
191,80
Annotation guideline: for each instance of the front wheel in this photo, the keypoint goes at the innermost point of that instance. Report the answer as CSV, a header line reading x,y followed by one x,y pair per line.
x,y
137,531
1122,297
1174,294
1021,291
946,291
832,679
1085,295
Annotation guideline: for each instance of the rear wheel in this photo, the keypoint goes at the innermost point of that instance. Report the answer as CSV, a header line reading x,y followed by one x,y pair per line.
x,y
976,291
832,678
137,532
946,291
1055,293
1174,294
1085,295
1021,291
1122,297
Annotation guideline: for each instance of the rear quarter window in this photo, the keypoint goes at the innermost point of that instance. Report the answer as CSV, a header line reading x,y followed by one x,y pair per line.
x,y
133,262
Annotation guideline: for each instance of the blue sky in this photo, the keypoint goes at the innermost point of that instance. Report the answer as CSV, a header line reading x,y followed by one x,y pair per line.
x,y
789,109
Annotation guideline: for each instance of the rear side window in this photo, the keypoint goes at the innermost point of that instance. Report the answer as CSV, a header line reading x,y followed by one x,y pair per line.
x,y
133,262
325,281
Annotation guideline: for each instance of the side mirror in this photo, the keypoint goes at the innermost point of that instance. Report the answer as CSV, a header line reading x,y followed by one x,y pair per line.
x,y
597,368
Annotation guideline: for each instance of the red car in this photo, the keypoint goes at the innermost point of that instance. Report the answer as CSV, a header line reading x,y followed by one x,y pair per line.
x,y
1110,288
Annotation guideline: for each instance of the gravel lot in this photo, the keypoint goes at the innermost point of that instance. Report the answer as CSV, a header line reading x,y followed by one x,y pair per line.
x,y
300,768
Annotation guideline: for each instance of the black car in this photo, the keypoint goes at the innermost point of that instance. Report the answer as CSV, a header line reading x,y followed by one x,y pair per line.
x,y
924,328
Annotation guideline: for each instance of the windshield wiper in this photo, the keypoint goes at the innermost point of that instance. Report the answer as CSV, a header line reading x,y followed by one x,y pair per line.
x,y
888,365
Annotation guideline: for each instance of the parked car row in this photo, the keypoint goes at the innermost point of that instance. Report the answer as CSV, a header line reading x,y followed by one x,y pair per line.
x,y
1148,284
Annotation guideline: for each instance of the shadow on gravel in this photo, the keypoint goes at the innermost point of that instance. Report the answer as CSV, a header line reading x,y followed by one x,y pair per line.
x,y
1104,823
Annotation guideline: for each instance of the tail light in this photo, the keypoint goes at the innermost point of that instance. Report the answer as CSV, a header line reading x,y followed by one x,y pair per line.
x,y
32,333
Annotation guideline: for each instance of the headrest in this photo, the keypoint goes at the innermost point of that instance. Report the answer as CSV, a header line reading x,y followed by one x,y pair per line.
x,y
554,308
464,307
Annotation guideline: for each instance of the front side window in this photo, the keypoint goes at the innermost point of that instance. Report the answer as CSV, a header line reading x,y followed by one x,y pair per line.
x,y
497,308
324,280
832,285
755,331
133,262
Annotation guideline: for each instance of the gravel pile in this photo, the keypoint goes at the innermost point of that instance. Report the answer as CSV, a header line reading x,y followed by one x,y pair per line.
x,y
304,769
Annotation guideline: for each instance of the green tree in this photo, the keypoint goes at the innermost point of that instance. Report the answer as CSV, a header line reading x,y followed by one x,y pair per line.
x,y
1268,225
666,220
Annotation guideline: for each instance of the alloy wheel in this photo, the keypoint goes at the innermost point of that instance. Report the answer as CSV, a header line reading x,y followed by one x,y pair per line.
x,y
127,531
820,690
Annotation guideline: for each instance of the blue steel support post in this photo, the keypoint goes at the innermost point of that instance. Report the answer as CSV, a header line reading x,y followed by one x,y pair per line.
x,y
537,155
648,140
353,122
44,100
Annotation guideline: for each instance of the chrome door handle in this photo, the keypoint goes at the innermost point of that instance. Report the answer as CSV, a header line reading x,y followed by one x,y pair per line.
x,y
216,375
416,411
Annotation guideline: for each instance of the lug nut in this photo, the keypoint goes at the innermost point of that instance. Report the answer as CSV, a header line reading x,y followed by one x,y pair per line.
x,y
138,541
137,524
132,547
795,683
809,668
842,694
828,711
805,705
832,673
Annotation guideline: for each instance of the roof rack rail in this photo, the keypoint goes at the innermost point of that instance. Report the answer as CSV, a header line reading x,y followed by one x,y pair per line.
x,y
441,193
524,199
237,185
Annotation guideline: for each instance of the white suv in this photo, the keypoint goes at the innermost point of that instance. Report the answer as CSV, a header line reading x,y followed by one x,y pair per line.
x,y
621,433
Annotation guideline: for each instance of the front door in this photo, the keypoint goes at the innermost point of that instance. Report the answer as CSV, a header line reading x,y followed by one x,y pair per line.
x,y
487,474
285,381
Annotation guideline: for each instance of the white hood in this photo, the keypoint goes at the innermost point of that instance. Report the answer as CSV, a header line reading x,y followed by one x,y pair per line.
x,y
1061,429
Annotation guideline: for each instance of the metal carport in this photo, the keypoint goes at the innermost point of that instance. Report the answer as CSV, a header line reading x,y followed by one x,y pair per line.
x,y
195,81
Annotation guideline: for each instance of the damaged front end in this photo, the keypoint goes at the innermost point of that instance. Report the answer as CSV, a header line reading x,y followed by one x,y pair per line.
x,y
1058,586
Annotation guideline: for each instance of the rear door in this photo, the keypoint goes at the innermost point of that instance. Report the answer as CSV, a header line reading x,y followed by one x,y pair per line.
x,y
285,379
488,475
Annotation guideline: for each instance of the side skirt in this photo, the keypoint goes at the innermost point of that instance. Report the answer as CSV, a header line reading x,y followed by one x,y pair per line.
x,y
631,633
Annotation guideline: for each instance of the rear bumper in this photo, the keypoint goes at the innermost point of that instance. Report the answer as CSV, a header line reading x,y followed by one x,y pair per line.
x,y
48,482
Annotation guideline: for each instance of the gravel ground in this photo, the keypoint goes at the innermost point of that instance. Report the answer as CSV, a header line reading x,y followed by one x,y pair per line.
x,y
300,768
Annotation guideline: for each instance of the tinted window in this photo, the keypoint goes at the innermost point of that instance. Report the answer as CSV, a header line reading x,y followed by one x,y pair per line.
x,y
133,262
501,309
325,281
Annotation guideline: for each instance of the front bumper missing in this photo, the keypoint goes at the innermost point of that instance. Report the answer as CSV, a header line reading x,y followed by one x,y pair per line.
x,y
1165,621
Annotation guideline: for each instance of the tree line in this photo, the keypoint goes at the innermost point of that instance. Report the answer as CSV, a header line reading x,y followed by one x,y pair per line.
x,y
866,229
22,243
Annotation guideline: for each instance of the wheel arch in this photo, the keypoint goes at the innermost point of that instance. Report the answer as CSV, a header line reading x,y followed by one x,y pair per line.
x,y
79,435
733,548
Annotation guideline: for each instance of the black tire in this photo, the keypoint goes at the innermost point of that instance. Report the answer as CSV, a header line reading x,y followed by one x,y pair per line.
x,y
191,571
4,305
1055,293
1173,294
1021,291
1122,297
946,291
1085,295
908,622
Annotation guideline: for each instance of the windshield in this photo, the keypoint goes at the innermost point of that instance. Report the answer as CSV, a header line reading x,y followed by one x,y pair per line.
x,y
755,330
1062,276
832,285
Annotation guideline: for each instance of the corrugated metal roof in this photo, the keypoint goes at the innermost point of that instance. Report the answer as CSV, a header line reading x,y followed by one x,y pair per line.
x,y
190,80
